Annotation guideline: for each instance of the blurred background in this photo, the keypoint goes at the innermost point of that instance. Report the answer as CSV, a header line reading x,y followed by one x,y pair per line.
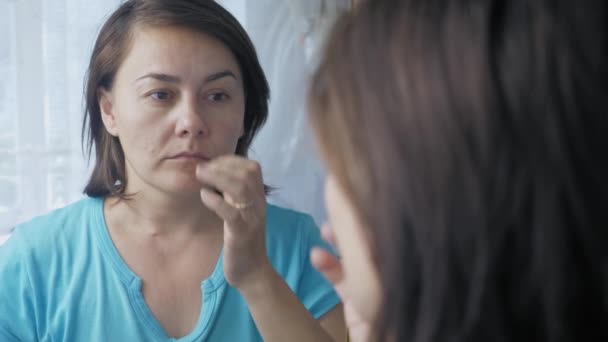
x,y
44,52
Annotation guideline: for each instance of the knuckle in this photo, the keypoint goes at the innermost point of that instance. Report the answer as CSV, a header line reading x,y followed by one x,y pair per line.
x,y
249,165
253,170
233,215
242,190
242,175
255,167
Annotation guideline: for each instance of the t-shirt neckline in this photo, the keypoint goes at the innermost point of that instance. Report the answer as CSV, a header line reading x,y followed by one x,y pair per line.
x,y
212,288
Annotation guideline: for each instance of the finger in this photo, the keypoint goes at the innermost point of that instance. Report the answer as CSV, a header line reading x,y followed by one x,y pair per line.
x,y
327,233
210,188
327,264
322,259
237,177
247,171
216,202
221,180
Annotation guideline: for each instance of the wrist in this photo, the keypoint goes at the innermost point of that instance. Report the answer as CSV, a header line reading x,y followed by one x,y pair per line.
x,y
261,284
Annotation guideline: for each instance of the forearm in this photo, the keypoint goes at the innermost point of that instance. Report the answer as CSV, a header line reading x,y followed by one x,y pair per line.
x,y
278,314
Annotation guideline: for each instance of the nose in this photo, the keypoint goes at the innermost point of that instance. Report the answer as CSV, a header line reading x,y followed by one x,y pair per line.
x,y
190,121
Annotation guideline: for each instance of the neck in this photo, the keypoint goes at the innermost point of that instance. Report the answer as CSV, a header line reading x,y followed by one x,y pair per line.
x,y
155,214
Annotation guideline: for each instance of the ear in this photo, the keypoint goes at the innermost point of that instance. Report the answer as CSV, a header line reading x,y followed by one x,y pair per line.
x,y
106,106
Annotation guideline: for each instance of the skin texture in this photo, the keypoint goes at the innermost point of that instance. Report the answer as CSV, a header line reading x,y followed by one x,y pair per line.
x,y
179,116
354,276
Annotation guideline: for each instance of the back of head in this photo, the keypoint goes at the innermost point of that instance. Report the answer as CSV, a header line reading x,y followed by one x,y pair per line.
x,y
470,137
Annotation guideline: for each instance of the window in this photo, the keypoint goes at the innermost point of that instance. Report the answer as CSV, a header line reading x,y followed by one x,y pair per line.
x,y
44,52
8,117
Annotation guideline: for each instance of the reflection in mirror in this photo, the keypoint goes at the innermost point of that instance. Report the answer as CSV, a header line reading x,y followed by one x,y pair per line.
x,y
166,99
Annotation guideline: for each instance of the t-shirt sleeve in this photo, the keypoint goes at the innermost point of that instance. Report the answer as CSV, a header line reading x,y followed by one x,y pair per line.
x,y
17,314
315,292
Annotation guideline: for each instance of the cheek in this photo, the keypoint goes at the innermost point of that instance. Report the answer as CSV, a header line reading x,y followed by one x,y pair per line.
x,y
141,148
342,221
362,280
340,212
224,138
237,124
228,129
150,146
131,123
234,129
142,136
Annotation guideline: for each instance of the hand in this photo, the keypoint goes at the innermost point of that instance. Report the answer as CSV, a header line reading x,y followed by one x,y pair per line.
x,y
358,329
242,206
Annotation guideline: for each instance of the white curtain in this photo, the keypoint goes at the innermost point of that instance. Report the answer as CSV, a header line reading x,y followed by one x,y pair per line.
x,y
288,35
43,58
44,50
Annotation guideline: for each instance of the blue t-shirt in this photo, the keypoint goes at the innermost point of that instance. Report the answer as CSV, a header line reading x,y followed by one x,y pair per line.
x,y
62,279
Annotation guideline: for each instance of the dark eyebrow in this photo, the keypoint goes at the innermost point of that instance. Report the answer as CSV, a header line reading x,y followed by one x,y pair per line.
x,y
174,79
218,75
161,77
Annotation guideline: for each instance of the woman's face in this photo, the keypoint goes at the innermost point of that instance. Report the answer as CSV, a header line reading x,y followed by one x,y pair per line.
x,y
361,281
177,100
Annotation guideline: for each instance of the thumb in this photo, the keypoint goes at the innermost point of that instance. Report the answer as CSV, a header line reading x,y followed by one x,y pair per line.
x,y
327,264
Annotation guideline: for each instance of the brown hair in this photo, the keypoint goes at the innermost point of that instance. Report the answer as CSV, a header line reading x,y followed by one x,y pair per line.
x,y
470,137
111,47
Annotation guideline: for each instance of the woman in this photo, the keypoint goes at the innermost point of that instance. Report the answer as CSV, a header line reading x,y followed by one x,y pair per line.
x,y
175,241
466,149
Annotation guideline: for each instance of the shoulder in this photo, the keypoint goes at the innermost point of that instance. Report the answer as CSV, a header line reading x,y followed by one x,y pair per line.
x,y
288,220
50,231
32,263
290,235
289,226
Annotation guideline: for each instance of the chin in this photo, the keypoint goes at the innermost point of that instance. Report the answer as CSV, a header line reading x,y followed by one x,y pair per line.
x,y
182,184
187,188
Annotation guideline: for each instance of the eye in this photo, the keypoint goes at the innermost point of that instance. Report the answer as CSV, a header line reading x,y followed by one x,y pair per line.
x,y
161,95
218,97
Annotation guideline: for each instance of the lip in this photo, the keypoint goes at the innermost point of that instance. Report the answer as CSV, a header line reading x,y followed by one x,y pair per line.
x,y
190,156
